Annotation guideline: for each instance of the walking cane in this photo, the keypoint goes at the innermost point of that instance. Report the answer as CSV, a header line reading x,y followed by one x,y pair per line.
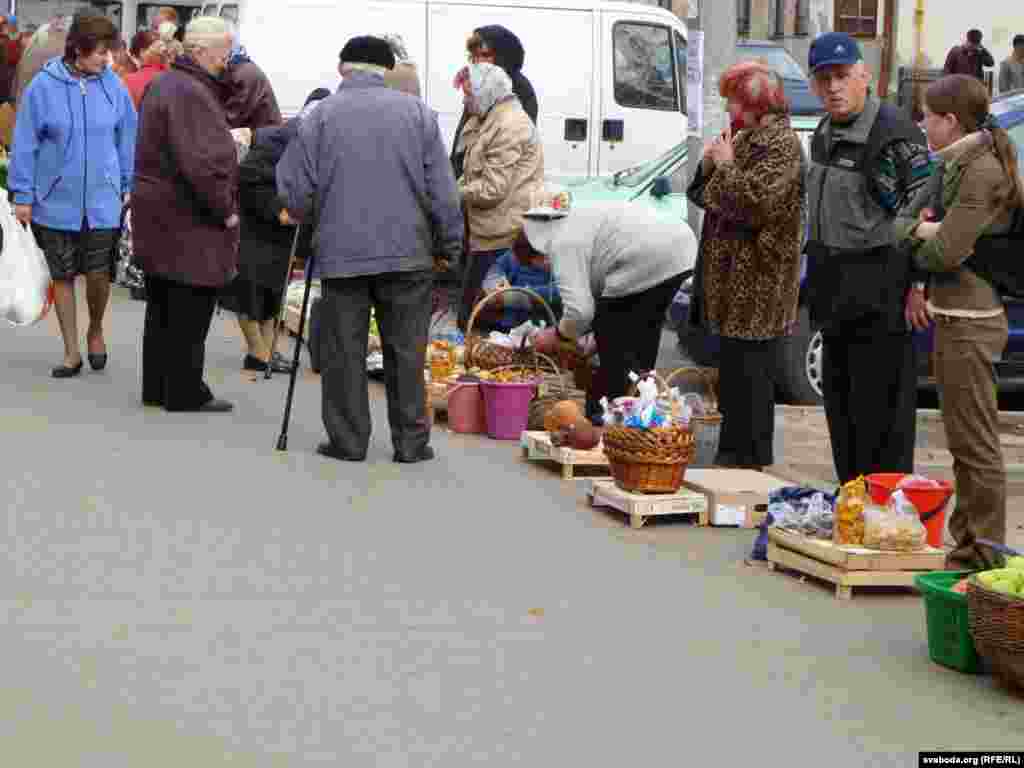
x,y
281,311
282,440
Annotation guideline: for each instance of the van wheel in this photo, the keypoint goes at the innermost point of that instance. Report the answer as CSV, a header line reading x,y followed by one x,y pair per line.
x,y
802,364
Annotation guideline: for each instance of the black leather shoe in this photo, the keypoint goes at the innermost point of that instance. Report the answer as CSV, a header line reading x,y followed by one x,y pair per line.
x,y
98,361
67,371
217,406
426,453
252,363
331,451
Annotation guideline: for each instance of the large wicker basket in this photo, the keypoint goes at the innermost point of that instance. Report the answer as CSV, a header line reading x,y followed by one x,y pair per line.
x,y
997,626
648,460
482,354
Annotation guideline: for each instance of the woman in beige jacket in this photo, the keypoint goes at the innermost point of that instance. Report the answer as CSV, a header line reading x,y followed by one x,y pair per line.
x,y
976,192
503,172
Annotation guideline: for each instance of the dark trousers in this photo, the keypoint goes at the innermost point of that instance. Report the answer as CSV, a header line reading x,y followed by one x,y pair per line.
x,y
627,330
870,386
174,344
401,302
748,377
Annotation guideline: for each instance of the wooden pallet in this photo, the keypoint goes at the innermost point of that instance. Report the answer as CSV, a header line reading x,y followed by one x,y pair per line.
x,y
638,507
537,447
848,567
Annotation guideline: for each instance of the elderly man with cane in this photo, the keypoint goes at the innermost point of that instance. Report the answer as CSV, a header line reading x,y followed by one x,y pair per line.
x,y
384,187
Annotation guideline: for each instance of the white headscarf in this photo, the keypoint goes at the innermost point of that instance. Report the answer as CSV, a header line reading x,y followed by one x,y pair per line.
x,y
488,85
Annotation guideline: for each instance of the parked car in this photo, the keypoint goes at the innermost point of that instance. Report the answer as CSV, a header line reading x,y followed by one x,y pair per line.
x,y
798,88
803,351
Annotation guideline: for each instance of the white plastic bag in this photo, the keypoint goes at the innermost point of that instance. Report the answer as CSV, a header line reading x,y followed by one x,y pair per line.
x,y
25,287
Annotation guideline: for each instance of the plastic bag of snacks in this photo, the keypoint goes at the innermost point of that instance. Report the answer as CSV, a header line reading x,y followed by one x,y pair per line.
x,y
848,520
896,527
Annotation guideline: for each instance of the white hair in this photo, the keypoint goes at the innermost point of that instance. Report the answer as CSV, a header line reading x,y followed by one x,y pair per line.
x,y
206,31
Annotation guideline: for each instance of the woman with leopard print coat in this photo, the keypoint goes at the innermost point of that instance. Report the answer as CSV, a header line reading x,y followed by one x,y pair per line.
x,y
751,187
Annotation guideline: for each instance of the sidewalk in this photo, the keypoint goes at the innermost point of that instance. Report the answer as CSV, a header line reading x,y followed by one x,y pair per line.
x,y
176,592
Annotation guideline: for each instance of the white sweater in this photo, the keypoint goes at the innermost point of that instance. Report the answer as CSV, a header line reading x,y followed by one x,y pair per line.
x,y
608,251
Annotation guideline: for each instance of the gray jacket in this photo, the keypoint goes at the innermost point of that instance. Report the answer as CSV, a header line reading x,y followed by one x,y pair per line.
x,y
371,165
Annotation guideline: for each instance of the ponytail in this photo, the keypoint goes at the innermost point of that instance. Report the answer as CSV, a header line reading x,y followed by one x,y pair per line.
x,y
1011,195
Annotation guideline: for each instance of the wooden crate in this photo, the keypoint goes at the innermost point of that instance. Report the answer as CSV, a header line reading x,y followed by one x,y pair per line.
x,y
849,567
638,507
736,497
537,447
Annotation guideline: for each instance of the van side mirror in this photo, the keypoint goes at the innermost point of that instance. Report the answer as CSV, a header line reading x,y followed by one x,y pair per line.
x,y
662,187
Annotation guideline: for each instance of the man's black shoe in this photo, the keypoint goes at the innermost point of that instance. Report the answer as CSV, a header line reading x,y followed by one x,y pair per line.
x,y
331,451
426,453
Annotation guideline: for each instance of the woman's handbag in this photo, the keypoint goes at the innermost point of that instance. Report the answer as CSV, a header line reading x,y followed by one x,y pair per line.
x,y
26,290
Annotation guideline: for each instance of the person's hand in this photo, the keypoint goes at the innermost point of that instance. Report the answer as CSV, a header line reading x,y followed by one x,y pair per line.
x,y
927,230
587,346
916,310
242,136
231,221
285,218
546,341
23,213
721,148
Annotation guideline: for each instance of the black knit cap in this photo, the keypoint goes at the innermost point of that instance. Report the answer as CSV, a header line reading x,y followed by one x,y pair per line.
x,y
368,50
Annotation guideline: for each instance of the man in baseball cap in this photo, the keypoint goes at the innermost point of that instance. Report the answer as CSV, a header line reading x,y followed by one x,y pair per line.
x,y
867,161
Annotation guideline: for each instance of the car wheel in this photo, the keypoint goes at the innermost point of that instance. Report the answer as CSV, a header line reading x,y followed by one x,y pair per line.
x,y
802,364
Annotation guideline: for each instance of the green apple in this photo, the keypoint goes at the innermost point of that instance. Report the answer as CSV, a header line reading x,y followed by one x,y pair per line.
x,y
1016,562
1005,585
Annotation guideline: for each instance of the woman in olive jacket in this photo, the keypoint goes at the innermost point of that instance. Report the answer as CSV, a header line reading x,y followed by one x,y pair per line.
x,y
976,192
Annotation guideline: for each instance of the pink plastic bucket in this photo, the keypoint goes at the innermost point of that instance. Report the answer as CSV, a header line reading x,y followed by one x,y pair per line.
x,y
507,406
466,409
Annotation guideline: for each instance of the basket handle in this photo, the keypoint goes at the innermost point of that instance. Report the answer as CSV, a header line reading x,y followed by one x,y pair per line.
x,y
536,297
703,374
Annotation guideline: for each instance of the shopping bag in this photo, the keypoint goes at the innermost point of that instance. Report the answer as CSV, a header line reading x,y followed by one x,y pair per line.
x,y
26,290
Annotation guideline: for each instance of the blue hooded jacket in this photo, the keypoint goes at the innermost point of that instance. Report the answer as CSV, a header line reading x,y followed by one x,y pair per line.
x,y
74,149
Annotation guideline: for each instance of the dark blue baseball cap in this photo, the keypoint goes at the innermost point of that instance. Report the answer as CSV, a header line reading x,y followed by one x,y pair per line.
x,y
833,49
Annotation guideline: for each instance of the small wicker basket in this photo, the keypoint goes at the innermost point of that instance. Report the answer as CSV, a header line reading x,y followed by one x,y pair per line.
x,y
997,626
482,354
648,460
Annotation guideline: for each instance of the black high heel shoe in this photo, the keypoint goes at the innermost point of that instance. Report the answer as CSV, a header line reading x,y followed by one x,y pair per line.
x,y
98,361
67,371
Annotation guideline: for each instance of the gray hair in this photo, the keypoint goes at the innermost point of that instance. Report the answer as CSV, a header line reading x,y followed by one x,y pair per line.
x,y
206,31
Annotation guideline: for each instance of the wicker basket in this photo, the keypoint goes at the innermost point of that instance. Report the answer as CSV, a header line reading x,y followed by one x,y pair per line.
x,y
482,354
553,389
702,381
997,626
648,460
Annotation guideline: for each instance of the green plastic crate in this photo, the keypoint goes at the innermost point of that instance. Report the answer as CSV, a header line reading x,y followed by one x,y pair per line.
x,y
949,636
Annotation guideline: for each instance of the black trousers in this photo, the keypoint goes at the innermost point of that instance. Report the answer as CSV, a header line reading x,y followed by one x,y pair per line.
x,y
748,377
870,385
174,344
627,330
401,302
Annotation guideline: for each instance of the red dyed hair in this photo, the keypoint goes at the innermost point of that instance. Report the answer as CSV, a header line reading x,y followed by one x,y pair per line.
x,y
756,87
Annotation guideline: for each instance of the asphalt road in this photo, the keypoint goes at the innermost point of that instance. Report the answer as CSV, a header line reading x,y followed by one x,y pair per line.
x,y
175,592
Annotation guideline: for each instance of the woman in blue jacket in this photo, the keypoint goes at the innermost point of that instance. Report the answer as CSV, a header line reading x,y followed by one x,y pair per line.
x,y
70,171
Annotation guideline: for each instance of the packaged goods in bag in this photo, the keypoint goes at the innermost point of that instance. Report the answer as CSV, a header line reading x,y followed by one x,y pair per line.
x,y
896,527
26,291
848,522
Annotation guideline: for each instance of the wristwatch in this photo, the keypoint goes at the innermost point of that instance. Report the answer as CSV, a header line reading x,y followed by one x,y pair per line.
x,y
918,287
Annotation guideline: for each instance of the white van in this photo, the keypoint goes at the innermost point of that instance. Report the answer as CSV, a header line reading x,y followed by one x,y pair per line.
x,y
610,77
